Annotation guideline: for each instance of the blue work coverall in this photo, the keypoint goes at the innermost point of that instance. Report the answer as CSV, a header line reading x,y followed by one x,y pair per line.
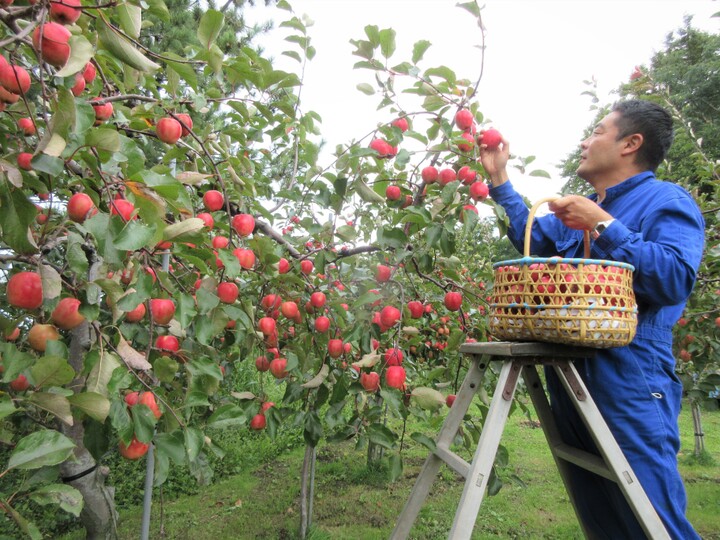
x,y
659,229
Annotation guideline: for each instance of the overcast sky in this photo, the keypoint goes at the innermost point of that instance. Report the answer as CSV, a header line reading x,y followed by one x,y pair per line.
x,y
538,55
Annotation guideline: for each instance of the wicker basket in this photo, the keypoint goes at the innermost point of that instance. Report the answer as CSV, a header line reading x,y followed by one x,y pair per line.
x,y
585,302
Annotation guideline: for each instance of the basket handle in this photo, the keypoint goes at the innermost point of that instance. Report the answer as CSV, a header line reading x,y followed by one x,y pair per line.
x,y
528,229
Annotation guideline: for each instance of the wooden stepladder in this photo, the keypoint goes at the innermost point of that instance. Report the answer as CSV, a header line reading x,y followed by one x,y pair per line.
x,y
524,359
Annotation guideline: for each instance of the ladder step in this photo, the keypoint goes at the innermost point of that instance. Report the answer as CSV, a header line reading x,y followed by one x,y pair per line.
x,y
455,462
585,460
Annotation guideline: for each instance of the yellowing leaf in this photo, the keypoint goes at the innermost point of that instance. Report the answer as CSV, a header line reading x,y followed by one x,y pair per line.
x,y
131,357
192,178
318,379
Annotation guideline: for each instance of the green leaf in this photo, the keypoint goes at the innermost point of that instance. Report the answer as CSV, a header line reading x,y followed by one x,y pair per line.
x,y
95,405
81,51
159,9
135,235
366,89
130,17
381,435
313,431
103,139
7,406
539,172
52,371
66,497
51,165
194,441
227,415
42,448
419,50
54,404
172,445
211,23
184,70
101,372
426,441
442,72
387,42
395,466
122,49
16,215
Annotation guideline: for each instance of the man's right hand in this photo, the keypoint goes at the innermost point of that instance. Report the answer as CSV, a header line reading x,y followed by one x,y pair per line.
x,y
495,162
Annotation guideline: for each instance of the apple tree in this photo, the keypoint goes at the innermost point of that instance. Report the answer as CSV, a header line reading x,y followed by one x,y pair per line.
x,y
167,224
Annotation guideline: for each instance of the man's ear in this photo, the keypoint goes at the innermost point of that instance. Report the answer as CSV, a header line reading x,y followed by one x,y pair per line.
x,y
632,143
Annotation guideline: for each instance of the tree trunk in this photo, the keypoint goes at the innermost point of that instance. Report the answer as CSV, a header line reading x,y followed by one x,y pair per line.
x,y
697,424
307,490
98,514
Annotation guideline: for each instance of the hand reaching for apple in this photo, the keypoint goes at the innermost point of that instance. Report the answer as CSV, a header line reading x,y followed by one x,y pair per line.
x,y
494,161
578,212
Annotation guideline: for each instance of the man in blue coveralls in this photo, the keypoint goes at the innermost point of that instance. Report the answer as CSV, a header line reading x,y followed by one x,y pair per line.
x,y
657,227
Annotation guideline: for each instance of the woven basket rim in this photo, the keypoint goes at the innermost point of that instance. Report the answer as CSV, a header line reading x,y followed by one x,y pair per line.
x,y
558,260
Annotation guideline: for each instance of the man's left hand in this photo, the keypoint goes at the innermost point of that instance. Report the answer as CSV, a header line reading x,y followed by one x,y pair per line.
x,y
578,212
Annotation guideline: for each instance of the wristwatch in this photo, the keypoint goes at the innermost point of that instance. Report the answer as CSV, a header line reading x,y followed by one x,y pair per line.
x,y
600,228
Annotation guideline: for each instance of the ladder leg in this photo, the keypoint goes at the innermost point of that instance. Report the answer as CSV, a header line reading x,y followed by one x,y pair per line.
x,y
468,389
610,451
549,427
479,473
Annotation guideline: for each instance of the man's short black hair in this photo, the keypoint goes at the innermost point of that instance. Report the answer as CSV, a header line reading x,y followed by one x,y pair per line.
x,y
653,122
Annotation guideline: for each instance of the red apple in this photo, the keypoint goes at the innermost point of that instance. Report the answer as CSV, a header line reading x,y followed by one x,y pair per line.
x,y
20,383
168,130
393,357
24,161
258,422
27,126
51,41
123,208
370,381
446,176
383,273
278,368
401,124
453,300
24,290
134,450
306,266
7,97
289,309
167,343
322,324
207,219
395,377
271,301
389,315
228,292
65,11
244,224
40,334
103,111
148,399
80,206
467,208
283,266
491,138
66,315
79,85
89,73
12,336
468,145
267,325
382,147
416,309
430,174
137,314
246,257
14,78
450,399
186,122
220,242
213,200
464,119
479,191
466,175
335,348
162,310
393,193
262,363
318,299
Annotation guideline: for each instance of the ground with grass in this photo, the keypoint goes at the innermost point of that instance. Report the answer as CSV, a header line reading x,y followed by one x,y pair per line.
x,y
355,502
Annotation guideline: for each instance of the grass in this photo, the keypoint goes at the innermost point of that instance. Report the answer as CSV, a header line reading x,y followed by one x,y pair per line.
x,y
354,502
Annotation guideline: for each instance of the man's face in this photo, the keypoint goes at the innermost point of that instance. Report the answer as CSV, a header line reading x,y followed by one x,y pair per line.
x,y
600,152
